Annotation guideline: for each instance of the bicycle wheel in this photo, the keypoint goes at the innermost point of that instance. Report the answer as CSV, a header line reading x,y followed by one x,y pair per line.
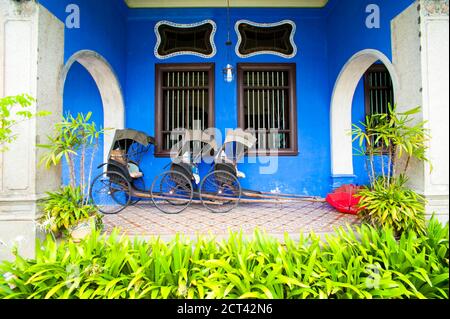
x,y
220,192
110,192
172,192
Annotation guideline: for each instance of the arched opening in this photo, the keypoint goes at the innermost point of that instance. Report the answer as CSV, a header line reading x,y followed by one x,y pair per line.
x,y
108,87
341,107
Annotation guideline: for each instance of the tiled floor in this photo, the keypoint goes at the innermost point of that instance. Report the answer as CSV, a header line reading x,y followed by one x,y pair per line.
x,y
144,220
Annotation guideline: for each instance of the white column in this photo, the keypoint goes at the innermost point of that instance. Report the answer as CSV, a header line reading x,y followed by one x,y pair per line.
x,y
420,38
31,59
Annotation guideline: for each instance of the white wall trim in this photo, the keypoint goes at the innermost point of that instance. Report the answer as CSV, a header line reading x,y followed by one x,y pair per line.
x,y
341,106
110,91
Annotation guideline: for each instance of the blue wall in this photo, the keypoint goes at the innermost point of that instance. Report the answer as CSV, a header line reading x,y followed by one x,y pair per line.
x,y
326,39
347,34
81,95
312,165
103,30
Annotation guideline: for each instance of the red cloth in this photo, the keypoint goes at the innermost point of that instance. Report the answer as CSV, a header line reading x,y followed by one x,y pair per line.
x,y
344,199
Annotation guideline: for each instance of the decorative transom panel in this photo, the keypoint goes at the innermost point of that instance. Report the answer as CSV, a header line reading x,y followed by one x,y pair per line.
x,y
266,38
185,39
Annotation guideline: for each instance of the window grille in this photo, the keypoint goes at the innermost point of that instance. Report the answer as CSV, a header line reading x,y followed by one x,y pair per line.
x,y
267,105
184,100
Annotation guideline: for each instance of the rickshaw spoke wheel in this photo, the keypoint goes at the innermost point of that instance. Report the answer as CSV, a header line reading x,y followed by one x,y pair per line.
x,y
110,192
172,192
220,192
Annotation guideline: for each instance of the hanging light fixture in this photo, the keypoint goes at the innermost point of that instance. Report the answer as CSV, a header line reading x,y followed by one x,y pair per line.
x,y
228,70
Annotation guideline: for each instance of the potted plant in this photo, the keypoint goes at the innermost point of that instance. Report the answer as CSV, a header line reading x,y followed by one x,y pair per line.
x,y
65,214
68,211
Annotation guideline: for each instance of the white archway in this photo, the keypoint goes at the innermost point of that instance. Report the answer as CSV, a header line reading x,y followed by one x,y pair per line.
x,y
341,107
109,87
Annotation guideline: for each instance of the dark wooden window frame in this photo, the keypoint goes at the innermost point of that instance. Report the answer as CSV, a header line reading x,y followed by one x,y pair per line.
x,y
292,69
368,88
182,67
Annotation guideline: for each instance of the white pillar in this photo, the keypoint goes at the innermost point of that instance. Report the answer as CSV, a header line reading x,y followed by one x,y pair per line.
x,y
420,38
31,59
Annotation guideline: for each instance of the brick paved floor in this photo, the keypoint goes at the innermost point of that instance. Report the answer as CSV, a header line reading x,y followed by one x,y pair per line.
x,y
144,220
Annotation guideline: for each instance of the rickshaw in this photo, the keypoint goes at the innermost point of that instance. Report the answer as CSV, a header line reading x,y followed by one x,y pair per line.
x,y
121,183
220,189
177,188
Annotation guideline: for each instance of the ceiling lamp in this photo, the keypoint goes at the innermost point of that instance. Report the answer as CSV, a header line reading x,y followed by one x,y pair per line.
x,y
228,70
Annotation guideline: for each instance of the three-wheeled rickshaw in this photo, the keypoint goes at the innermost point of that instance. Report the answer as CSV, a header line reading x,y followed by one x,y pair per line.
x,y
122,182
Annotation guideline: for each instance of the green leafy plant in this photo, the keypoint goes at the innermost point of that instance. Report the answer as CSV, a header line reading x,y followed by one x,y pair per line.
x,y
393,139
13,111
393,205
72,140
65,209
363,263
394,135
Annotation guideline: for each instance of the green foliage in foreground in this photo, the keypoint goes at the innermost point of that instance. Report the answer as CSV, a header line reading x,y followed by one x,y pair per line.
x,y
366,263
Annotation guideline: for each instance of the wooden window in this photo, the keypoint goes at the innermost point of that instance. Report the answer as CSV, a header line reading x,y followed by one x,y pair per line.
x,y
378,88
267,106
378,92
184,100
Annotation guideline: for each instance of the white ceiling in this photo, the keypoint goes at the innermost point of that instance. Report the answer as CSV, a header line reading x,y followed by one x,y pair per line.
x,y
223,3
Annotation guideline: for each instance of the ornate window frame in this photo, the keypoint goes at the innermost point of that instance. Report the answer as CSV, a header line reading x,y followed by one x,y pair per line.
x,y
266,25
189,25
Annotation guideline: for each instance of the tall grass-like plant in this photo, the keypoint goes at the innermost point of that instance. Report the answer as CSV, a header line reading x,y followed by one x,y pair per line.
x,y
72,139
364,263
393,135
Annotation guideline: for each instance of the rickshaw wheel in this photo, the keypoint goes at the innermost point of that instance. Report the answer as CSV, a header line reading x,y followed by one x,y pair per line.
x,y
172,192
110,192
139,185
220,192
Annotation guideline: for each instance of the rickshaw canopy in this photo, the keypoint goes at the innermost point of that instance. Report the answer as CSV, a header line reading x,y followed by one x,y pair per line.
x,y
136,136
239,136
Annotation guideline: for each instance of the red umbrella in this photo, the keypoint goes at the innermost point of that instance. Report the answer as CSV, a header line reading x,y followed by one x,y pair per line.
x,y
344,199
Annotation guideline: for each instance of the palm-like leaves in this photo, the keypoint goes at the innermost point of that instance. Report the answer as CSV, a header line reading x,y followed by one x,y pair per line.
x,y
72,138
396,135
361,263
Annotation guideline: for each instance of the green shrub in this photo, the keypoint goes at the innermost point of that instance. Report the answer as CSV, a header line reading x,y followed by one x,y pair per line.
x,y
64,209
366,263
13,111
393,205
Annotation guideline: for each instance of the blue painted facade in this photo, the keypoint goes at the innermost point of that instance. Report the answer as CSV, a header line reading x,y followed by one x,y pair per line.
x,y
326,39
